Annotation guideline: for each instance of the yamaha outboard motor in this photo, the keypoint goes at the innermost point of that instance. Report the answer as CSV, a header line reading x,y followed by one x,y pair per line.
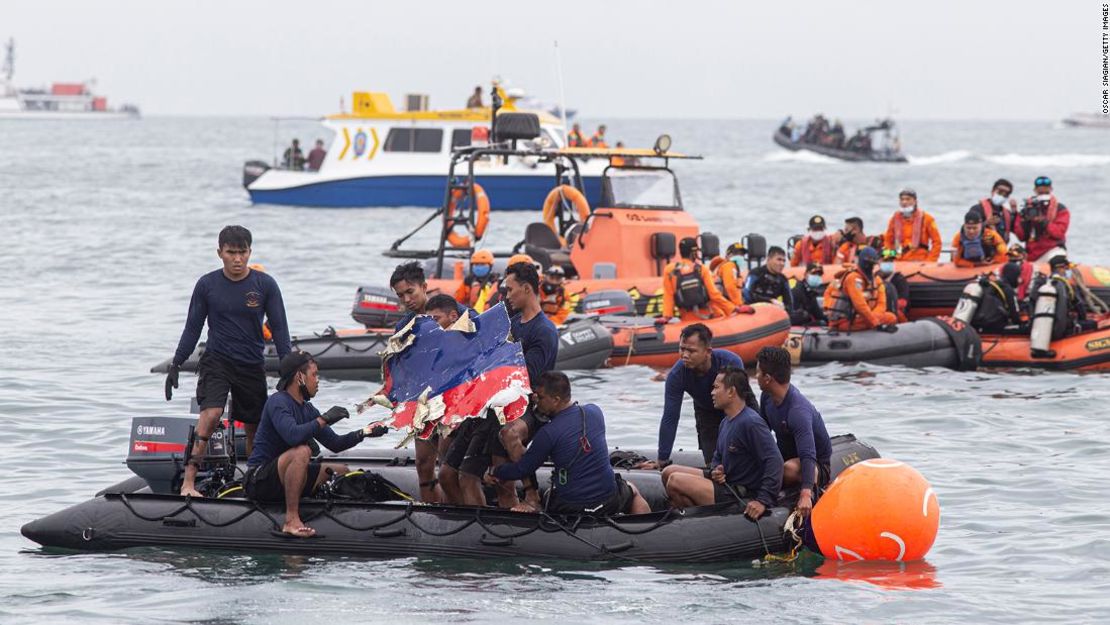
x,y
160,447
377,307
614,302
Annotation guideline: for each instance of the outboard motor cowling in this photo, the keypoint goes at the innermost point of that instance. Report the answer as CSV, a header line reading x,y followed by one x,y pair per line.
x,y
614,302
376,307
252,170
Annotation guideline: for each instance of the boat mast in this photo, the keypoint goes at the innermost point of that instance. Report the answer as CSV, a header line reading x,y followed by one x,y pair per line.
x,y
9,59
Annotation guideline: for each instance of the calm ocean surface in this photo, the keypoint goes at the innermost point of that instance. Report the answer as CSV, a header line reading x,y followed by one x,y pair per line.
x,y
106,226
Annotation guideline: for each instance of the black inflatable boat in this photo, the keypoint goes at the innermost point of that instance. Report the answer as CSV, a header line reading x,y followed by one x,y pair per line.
x,y
930,342
872,156
353,354
140,512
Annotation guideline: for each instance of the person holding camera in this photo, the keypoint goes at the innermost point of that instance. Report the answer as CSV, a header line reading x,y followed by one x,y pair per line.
x,y
1043,223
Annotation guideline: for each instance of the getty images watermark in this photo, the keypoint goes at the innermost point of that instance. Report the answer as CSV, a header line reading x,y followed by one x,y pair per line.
x,y
1105,58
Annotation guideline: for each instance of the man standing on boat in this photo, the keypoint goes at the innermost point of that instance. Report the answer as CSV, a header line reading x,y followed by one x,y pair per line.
x,y
598,138
692,375
233,300
316,156
475,99
293,157
575,138
411,286
815,246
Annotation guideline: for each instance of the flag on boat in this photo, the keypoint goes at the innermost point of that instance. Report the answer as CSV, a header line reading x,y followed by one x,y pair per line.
x,y
436,378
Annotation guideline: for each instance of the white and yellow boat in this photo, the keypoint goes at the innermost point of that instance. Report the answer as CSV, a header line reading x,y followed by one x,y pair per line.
x,y
380,156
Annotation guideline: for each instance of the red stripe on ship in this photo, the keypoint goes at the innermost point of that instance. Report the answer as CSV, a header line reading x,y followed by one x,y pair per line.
x,y
154,447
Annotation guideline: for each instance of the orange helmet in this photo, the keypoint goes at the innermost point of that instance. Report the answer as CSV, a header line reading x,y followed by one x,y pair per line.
x,y
520,258
481,257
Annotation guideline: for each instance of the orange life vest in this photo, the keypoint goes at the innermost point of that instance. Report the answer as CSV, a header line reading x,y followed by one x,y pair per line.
x,y
826,249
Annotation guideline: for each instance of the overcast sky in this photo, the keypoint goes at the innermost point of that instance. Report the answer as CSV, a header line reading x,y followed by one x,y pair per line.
x,y
1017,59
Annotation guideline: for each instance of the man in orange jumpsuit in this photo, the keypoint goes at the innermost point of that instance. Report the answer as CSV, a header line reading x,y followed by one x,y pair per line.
x,y
688,289
911,232
856,300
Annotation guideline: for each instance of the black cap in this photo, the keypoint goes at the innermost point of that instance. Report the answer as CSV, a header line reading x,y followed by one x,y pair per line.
x,y
908,191
555,270
292,362
1042,181
1058,261
817,222
736,249
973,217
687,246
815,268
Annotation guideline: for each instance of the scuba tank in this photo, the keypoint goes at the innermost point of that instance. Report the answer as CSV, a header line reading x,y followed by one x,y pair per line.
x,y
1044,314
969,302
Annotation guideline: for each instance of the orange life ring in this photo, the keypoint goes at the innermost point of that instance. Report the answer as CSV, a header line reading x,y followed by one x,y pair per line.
x,y
460,240
551,205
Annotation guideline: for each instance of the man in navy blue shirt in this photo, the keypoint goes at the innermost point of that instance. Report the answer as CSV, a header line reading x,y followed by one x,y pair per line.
x,y
802,437
539,340
280,466
234,301
583,482
746,464
411,286
692,375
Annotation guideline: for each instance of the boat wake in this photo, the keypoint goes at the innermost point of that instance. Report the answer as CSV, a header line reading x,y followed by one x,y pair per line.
x,y
1050,160
947,157
801,156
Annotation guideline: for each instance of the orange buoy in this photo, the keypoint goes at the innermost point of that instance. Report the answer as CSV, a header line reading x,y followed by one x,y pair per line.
x,y
879,509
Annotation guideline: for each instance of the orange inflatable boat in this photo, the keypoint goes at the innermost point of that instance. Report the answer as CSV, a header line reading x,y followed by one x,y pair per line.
x,y
638,340
935,288
1089,351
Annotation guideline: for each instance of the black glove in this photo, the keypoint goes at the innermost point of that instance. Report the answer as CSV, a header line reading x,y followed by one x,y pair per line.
x,y
335,414
171,380
891,328
374,430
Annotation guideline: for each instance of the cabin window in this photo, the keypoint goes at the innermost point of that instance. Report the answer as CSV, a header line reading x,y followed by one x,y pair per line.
x,y
460,138
414,140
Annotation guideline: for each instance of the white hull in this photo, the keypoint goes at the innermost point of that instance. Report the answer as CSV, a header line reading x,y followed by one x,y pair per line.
x,y
67,115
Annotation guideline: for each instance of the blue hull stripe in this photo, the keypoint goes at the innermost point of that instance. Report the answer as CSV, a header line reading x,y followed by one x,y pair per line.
x,y
505,192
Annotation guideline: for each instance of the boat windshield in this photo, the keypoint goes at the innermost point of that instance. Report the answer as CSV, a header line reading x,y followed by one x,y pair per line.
x,y
641,188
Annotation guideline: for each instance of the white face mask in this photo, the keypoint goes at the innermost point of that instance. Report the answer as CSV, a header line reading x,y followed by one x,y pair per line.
x,y
906,210
817,235
886,267
1044,197
998,200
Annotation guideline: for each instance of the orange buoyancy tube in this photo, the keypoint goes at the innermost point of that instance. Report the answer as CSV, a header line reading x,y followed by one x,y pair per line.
x,y
481,201
552,203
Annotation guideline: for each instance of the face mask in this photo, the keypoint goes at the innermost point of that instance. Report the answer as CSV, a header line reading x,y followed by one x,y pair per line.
x,y
480,271
1067,274
906,211
549,288
1044,197
886,267
303,388
998,200
813,280
817,235
736,259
